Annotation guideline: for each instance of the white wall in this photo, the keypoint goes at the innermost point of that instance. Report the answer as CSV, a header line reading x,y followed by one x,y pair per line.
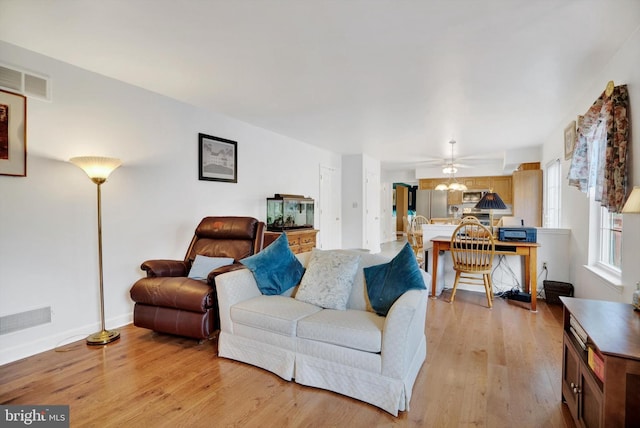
x,y
624,68
151,205
356,233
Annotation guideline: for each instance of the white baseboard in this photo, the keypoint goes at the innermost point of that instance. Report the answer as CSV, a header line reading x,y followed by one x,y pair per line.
x,y
8,355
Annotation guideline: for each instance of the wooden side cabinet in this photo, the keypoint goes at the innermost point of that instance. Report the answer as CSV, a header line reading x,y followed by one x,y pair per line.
x,y
612,330
300,240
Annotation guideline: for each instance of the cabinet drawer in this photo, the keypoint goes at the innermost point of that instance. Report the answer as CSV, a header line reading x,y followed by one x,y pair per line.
x,y
293,240
307,239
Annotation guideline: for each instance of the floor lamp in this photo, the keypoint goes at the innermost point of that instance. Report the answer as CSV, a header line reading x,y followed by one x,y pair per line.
x,y
632,206
98,169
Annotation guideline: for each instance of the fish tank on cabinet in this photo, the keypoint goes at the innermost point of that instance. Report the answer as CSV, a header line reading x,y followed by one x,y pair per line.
x,y
285,212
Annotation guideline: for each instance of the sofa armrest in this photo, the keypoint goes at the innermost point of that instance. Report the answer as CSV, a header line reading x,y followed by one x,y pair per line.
x,y
232,288
155,268
211,278
403,332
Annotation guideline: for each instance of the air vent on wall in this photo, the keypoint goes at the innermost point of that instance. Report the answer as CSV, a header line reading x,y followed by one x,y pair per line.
x,y
25,82
23,320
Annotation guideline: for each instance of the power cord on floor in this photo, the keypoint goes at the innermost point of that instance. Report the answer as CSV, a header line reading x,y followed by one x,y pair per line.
x,y
502,286
546,274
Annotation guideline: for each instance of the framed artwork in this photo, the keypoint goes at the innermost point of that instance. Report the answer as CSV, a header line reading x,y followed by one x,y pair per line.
x,y
569,139
13,134
217,159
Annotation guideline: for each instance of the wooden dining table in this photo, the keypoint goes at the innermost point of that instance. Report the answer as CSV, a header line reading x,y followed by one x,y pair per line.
x,y
527,250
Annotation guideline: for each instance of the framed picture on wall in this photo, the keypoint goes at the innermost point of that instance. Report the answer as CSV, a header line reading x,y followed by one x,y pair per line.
x,y
217,159
569,139
13,134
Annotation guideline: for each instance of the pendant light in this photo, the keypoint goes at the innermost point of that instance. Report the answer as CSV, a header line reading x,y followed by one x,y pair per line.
x,y
452,184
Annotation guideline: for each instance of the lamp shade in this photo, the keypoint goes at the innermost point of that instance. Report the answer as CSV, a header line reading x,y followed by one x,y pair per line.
x,y
97,168
632,206
491,201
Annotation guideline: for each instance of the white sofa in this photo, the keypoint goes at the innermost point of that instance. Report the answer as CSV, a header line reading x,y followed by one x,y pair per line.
x,y
354,352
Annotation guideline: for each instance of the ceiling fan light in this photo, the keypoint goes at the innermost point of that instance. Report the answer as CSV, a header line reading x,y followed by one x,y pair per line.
x,y
449,170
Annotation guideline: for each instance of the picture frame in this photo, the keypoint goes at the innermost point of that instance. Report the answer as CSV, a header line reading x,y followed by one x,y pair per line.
x,y
569,139
217,159
13,134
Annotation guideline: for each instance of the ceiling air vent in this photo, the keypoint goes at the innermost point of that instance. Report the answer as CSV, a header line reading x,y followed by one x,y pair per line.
x,y
25,82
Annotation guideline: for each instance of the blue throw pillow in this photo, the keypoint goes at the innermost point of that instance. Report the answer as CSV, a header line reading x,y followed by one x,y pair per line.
x,y
388,281
276,269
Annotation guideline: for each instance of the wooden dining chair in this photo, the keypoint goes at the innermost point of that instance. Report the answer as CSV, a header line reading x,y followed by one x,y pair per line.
x,y
418,221
472,251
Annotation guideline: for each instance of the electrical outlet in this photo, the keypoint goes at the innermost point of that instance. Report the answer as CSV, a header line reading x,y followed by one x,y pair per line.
x,y
544,265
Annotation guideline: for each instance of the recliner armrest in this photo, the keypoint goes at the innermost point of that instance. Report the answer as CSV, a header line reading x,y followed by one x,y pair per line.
x,y
223,269
155,268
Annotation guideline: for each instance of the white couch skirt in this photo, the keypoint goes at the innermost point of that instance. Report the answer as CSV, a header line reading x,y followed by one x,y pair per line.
x,y
390,394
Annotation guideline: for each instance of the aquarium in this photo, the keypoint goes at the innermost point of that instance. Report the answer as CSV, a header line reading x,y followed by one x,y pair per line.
x,y
286,212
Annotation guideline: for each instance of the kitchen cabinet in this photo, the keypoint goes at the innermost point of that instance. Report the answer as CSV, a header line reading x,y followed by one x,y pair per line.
x,y
501,184
527,196
611,330
454,198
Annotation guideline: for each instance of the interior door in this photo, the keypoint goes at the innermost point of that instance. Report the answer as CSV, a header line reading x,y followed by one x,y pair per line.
x,y
372,215
329,236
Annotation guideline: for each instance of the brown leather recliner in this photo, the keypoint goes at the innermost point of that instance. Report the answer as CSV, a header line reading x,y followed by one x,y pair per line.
x,y
168,301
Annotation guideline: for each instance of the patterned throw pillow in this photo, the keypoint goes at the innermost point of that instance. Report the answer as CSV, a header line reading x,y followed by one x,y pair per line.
x,y
388,281
276,269
328,279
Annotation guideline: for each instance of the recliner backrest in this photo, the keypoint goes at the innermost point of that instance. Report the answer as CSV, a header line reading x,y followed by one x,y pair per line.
x,y
235,237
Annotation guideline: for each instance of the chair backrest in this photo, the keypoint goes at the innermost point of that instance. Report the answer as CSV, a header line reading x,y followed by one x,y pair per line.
x,y
235,237
470,218
418,221
472,248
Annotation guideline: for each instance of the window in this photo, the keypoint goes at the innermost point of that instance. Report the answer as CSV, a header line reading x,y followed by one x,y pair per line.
x,y
610,239
552,194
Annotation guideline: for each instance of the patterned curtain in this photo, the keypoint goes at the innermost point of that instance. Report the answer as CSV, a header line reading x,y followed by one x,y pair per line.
x,y
600,156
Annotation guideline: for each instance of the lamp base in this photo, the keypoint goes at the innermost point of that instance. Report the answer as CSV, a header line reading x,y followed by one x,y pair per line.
x,y
103,337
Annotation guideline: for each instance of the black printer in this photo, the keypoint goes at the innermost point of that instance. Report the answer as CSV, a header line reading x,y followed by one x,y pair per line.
x,y
520,234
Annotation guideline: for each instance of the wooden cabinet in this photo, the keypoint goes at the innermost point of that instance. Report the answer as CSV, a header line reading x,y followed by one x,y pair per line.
x,y
430,183
454,198
581,391
613,333
503,186
527,196
300,240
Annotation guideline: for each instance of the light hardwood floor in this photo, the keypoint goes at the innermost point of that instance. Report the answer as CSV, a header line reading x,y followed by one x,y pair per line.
x,y
484,368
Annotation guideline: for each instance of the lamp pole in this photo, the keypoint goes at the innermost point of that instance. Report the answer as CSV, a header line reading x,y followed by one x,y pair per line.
x,y
98,169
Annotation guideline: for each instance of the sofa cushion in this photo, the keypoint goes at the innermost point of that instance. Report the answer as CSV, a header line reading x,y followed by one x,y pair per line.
x,y
388,281
276,269
354,329
328,279
202,265
277,314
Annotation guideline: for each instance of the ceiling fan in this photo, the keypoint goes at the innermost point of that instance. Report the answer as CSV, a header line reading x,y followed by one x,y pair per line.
x,y
450,169
452,165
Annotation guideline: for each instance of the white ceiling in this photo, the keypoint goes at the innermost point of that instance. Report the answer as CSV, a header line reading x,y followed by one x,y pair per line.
x,y
395,79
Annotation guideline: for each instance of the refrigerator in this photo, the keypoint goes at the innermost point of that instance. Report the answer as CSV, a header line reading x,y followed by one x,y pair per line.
x,y
431,203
